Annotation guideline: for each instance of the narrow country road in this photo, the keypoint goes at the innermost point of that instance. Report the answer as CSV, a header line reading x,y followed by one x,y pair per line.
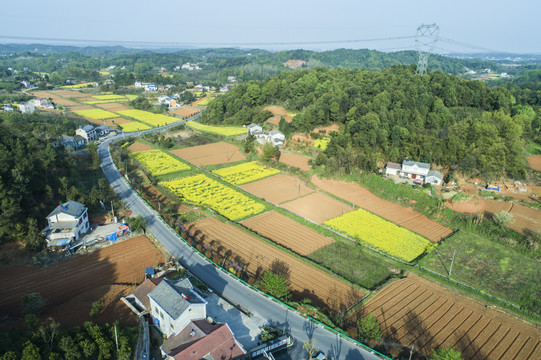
x,y
222,282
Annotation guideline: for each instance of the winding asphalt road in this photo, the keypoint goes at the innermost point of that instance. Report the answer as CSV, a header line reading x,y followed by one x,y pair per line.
x,y
335,346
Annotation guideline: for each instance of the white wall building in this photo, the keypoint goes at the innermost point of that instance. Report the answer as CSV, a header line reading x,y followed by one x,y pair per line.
x,y
67,223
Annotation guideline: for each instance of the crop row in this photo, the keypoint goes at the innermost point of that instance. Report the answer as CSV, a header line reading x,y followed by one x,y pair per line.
x,y
159,162
226,131
109,97
203,190
381,234
245,173
97,114
148,117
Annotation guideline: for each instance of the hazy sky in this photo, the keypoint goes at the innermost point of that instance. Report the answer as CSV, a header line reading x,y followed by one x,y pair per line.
x,y
509,26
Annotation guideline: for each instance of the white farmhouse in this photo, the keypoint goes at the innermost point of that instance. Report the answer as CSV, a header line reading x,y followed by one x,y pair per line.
x,y
276,138
27,107
254,129
88,132
414,169
102,130
67,223
434,177
393,169
173,304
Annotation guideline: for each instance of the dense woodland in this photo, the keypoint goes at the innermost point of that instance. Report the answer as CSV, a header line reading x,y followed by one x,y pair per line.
x,y
35,176
390,114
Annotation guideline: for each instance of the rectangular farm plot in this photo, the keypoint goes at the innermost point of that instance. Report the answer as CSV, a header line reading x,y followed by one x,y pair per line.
x,y
113,106
278,188
401,215
97,114
306,280
317,207
381,234
139,147
201,189
132,126
417,312
287,232
245,173
218,130
211,154
148,117
159,162
109,97
295,160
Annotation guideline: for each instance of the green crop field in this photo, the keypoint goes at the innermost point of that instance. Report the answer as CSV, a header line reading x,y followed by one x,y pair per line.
x,y
219,130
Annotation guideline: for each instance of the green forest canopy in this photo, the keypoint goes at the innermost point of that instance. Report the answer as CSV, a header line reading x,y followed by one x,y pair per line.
x,y
389,114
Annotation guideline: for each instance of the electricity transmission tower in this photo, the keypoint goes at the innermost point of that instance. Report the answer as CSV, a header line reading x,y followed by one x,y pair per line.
x,y
425,42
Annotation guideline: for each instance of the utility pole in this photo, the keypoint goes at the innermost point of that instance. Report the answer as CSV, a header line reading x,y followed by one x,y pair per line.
x,y
116,339
411,351
113,210
452,261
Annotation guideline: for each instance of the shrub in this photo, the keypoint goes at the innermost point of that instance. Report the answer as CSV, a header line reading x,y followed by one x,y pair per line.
x,y
503,218
97,306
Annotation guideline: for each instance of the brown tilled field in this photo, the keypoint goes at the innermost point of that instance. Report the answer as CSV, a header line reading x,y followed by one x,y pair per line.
x,y
414,311
306,281
535,162
122,263
295,160
71,94
113,106
278,188
185,112
280,111
525,219
109,122
211,154
317,207
287,232
139,147
400,215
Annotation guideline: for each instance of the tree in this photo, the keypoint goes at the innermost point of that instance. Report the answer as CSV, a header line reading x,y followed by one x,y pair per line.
x,y
275,285
34,239
97,306
368,328
93,151
268,151
446,354
137,223
30,352
32,303
310,348
70,348
503,218
48,331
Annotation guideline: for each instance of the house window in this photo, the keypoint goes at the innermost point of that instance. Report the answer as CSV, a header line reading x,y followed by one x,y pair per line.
x,y
161,315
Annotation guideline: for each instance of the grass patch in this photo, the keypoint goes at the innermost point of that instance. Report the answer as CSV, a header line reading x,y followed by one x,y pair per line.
x,y
534,148
353,263
489,266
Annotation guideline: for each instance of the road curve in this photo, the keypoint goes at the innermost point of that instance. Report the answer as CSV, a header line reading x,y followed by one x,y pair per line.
x,y
223,283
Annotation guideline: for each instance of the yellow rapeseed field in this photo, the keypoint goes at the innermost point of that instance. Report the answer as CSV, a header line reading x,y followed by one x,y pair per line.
x,y
148,117
97,114
159,162
245,173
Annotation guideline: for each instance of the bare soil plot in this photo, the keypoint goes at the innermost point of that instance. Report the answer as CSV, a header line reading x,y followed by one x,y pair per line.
x,y
525,219
139,147
122,263
535,162
295,160
79,107
400,215
414,311
306,281
185,112
70,94
113,107
109,122
278,189
287,232
317,207
278,111
211,154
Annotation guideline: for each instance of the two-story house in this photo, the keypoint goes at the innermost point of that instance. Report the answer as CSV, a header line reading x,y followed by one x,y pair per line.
x,y
66,223
87,132
173,304
102,130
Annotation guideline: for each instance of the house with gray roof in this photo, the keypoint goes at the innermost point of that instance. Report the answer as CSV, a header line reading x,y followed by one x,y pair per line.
x,y
88,132
66,223
173,304
434,177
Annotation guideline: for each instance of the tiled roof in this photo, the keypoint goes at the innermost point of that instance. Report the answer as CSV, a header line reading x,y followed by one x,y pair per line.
x,y
71,207
174,297
436,174
394,166
142,291
419,164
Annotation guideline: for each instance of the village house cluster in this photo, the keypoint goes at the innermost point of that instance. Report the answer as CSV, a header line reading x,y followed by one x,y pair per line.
x,y
275,137
419,172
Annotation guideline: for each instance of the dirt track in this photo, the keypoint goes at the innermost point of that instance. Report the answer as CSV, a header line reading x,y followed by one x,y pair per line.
x,y
122,263
414,311
400,215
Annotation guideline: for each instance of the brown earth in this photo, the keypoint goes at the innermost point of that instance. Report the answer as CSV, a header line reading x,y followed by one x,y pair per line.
x,y
196,103
306,280
295,63
317,207
113,107
295,160
278,188
535,162
400,215
122,263
525,219
70,94
109,122
139,147
185,112
278,111
287,232
80,107
415,311
211,154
